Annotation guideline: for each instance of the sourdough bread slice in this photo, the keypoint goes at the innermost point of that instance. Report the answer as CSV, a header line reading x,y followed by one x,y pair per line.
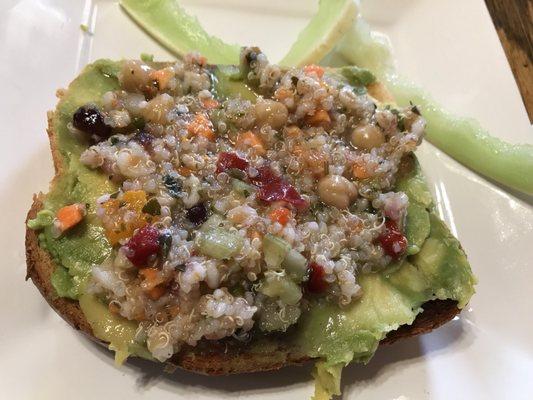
x,y
209,357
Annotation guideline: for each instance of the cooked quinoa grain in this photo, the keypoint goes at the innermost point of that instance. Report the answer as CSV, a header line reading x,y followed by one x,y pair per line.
x,y
234,212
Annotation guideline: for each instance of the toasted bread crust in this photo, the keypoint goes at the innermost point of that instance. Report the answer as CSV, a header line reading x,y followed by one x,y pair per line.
x,y
210,358
214,358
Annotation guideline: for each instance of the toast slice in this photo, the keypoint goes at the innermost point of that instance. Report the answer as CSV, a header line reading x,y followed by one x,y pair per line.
x,y
212,358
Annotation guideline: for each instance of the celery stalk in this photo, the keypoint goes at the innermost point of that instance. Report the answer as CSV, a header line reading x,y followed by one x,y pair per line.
x,y
219,243
467,142
178,31
328,25
461,138
275,250
295,265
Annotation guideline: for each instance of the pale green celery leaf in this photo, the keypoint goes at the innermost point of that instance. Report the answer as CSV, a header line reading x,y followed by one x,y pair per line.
x,y
332,20
327,380
461,138
178,31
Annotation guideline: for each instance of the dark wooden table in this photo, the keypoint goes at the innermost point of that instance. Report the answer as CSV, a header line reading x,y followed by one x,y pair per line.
x,y
513,20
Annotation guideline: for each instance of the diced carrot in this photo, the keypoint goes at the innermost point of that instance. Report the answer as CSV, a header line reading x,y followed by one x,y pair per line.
x,y
282,94
320,117
210,104
248,140
69,216
124,231
201,126
310,69
156,292
202,60
114,308
316,162
184,171
297,150
293,131
359,172
151,277
162,76
135,199
281,215
132,200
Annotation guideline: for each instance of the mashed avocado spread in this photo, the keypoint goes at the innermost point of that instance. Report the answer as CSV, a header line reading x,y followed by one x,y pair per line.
x,y
436,267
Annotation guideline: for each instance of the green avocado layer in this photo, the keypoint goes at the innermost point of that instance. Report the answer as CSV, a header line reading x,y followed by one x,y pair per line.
x,y
86,244
436,269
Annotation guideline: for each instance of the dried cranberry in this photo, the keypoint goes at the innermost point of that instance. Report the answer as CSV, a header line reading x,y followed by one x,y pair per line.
x,y
143,138
265,175
392,240
281,191
230,160
90,120
316,283
197,214
143,244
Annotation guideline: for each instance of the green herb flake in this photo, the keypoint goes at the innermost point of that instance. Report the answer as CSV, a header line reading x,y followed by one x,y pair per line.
x,y
138,122
147,57
165,242
85,28
358,76
401,123
152,207
173,185
360,90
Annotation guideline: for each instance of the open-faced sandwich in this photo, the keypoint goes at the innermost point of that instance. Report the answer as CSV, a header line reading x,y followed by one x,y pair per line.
x,y
230,219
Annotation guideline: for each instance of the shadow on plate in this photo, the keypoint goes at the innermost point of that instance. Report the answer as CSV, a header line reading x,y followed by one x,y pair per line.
x,y
388,360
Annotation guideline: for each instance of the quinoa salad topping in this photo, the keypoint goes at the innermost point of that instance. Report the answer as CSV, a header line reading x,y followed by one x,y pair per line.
x,y
233,216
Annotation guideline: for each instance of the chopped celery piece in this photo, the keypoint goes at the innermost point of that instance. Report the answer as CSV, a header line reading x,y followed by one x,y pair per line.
x,y
324,30
275,250
279,285
219,243
214,221
295,265
179,32
242,188
466,141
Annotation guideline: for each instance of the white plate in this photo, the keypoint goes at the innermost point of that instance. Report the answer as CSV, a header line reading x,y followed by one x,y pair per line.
x,y
449,47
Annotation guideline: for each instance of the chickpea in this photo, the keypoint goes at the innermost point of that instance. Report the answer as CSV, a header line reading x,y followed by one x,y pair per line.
x,y
157,109
270,112
336,191
366,137
134,76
